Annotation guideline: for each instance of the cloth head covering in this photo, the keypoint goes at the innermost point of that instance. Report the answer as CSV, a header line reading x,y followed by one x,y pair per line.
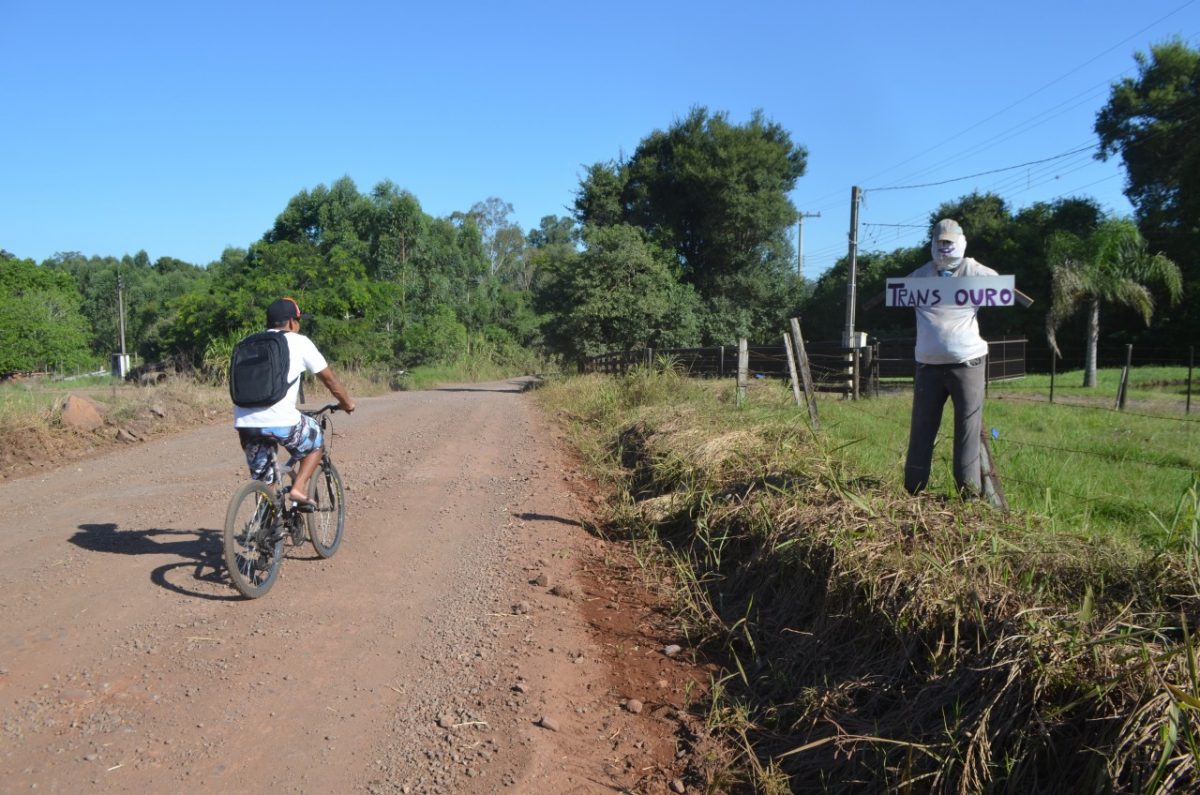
x,y
948,244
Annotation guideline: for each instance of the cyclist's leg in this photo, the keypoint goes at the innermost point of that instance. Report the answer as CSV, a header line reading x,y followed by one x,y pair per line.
x,y
304,441
259,448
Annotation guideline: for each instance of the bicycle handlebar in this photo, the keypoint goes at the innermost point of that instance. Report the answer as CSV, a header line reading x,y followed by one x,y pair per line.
x,y
330,407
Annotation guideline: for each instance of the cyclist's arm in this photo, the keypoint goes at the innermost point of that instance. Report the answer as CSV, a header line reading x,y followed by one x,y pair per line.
x,y
336,389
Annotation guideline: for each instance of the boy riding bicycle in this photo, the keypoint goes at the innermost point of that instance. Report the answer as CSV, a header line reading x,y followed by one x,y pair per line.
x,y
260,424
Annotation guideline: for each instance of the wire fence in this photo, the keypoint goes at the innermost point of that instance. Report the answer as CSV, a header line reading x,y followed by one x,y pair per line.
x,y
1005,444
887,365
832,365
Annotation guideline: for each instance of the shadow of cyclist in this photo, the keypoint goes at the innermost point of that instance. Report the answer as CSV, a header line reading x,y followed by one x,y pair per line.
x,y
202,549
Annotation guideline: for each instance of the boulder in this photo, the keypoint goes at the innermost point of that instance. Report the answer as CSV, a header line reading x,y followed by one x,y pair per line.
x,y
81,414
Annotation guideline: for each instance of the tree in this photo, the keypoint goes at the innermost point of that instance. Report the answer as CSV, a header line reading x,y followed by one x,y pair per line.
x,y
1154,124
503,240
714,194
1112,265
622,294
41,327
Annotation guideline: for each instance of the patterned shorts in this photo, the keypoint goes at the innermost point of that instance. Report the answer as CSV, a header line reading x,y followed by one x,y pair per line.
x,y
259,445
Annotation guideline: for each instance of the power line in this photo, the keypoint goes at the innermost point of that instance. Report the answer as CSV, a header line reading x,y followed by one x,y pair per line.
x,y
984,173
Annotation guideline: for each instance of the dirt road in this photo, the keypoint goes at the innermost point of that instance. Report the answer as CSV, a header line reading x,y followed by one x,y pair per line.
x,y
449,647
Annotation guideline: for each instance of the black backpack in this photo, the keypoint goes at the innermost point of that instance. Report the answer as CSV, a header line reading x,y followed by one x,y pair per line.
x,y
258,370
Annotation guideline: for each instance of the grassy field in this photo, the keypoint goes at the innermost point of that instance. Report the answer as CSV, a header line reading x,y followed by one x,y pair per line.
x,y
1077,462
873,642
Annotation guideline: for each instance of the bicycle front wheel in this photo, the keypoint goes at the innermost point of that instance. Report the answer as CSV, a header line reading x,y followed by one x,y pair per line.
x,y
253,552
325,524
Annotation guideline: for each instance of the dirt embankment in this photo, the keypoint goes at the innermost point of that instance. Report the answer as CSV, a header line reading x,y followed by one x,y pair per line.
x,y
469,637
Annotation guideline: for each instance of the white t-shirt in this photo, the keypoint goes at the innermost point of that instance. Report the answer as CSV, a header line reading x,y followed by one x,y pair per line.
x,y
949,334
302,355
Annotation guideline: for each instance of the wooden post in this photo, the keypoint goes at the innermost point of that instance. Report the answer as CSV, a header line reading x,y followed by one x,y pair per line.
x,y
791,357
875,370
855,370
1191,363
868,354
989,478
810,394
1124,387
1053,369
743,371
721,363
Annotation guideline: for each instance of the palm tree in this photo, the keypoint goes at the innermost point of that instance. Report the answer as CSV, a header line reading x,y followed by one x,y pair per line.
x,y
1111,265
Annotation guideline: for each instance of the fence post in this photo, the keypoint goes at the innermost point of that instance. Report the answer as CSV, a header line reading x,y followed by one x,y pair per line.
x,y
1053,369
810,393
989,478
1124,387
721,363
868,357
743,371
875,370
1191,363
791,357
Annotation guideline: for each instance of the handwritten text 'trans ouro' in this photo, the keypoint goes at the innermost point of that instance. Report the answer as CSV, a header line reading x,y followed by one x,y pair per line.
x,y
952,292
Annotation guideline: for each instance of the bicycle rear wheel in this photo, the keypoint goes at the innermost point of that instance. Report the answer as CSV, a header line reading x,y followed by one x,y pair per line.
x,y
325,524
252,553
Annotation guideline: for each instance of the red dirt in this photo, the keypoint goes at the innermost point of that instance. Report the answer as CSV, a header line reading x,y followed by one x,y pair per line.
x,y
467,603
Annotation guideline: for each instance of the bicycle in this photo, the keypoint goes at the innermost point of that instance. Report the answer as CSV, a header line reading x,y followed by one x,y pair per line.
x,y
262,520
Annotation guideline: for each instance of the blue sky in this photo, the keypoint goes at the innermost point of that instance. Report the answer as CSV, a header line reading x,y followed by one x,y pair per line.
x,y
182,129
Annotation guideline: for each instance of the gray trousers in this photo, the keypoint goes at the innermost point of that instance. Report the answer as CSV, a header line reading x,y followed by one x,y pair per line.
x,y
964,385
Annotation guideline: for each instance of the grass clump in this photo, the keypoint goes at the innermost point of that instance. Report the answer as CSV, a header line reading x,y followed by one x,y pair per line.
x,y
875,642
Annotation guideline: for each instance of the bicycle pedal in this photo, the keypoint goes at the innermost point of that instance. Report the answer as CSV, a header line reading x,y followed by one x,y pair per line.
x,y
304,507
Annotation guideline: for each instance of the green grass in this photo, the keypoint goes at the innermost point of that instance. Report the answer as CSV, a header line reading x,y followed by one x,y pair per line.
x,y
922,644
1084,466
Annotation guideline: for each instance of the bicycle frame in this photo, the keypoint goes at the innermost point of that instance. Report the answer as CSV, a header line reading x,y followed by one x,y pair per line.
x,y
254,541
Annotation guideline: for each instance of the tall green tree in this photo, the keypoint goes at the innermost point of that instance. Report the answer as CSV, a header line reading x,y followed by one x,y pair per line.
x,y
41,327
623,294
1112,265
148,295
503,240
1153,123
714,194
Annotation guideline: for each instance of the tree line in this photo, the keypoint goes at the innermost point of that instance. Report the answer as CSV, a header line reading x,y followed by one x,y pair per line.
x,y
685,242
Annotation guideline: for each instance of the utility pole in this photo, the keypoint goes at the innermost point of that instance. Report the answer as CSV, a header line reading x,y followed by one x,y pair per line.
x,y
852,276
121,310
849,341
800,241
121,363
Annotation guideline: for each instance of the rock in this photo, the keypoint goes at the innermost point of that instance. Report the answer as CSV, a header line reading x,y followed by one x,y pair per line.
x,y
520,608
563,591
126,436
672,650
445,721
158,411
633,706
547,722
541,580
678,786
81,414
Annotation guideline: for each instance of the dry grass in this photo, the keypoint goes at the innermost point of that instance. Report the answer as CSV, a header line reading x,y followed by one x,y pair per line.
x,y
880,643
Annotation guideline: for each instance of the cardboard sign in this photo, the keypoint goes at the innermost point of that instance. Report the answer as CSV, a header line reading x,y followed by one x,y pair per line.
x,y
951,292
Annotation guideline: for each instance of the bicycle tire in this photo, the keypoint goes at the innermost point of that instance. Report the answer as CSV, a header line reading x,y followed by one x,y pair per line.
x,y
327,522
252,558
